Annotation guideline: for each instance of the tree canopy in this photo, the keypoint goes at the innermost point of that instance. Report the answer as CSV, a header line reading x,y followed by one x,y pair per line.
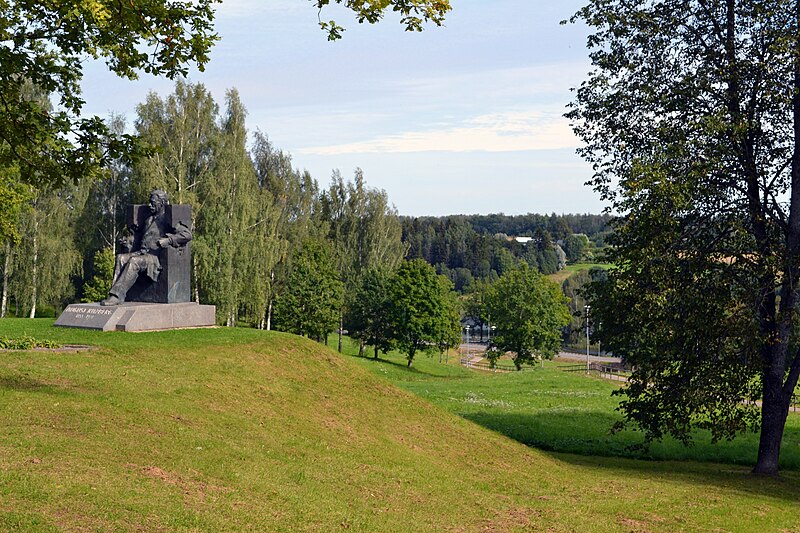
x,y
413,13
423,310
311,303
530,313
47,44
691,119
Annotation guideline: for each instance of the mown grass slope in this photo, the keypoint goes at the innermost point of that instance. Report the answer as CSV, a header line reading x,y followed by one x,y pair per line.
x,y
225,429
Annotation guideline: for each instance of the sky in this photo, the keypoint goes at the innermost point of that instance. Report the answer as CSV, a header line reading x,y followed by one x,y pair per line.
x,y
466,118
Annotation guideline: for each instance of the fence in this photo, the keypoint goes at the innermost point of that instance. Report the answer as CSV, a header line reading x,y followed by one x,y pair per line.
x,y
603,370
482,364
582,350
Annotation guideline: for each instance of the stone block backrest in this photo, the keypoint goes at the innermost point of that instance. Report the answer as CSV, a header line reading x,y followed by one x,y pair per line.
x,y
174,281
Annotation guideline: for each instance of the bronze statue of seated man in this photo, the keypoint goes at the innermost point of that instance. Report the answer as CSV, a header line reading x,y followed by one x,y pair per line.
x,y
142,249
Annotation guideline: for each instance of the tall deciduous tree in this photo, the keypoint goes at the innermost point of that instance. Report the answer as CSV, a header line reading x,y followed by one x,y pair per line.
x,y
311,302
14,198
530,313
102,219
369,316
288,197
424,309
691,119
46,257
364,230
224,244
48,43
183,130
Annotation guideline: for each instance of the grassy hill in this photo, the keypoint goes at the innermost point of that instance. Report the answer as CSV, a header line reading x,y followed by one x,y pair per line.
x,y
225,429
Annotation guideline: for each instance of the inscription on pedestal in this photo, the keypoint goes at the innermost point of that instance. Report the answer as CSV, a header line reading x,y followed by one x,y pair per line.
x,y
135,316
90,316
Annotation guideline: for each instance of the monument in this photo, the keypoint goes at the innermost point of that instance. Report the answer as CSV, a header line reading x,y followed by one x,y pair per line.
x,y
151,287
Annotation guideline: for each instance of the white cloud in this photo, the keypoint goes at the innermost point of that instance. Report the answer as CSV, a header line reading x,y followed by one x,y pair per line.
x,y
505,84
496,132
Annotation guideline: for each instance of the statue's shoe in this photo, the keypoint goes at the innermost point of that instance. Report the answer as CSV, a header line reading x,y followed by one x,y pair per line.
x,y
111,300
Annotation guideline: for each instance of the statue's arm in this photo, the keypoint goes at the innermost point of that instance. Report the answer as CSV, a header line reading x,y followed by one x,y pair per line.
x,y
181,236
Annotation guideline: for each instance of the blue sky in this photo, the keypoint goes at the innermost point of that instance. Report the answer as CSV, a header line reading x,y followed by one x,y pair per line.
x,y
465,118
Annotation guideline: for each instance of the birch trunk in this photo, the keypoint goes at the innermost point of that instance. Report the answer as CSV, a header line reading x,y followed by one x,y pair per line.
x,y
6,266
34,272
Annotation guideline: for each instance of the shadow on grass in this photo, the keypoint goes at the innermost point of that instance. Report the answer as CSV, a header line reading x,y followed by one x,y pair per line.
x,y
26,384
587,433
403,365
713,475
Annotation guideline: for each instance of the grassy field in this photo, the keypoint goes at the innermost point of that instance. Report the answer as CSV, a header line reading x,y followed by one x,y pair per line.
x,y
559,411
561,275
236,429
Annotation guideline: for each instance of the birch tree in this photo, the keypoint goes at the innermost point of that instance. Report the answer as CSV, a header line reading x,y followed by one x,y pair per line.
x,y
46,258
181,132
365,231
225,245
288,198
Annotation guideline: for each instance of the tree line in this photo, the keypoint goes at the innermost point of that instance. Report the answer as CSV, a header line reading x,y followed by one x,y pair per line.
x,y
474,248
254,214
272,249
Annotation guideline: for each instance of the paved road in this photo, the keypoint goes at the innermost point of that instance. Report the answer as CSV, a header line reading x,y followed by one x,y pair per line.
x,y
477,349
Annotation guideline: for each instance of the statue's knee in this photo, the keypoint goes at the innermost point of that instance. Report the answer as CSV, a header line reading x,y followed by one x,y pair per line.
x,y
137,263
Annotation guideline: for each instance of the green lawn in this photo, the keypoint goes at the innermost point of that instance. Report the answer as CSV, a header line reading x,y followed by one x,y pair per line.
x,y
237,429
560,411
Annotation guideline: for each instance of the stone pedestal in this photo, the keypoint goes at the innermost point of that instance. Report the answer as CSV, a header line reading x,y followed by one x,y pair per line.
x,y
137,316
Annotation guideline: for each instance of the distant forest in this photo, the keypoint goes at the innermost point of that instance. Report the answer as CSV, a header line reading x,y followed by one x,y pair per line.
x,y
467,248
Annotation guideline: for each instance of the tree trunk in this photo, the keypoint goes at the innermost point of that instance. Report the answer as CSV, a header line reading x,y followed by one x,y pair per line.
x,y
341,327
34,274
269,299
6,266
774,410
194,273
376,351
777,386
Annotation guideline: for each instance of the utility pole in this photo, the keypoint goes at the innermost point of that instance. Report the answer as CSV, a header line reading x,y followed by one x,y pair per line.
x,y
587,307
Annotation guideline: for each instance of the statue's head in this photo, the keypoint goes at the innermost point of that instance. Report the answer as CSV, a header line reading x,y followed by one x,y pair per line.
x,y
158,201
